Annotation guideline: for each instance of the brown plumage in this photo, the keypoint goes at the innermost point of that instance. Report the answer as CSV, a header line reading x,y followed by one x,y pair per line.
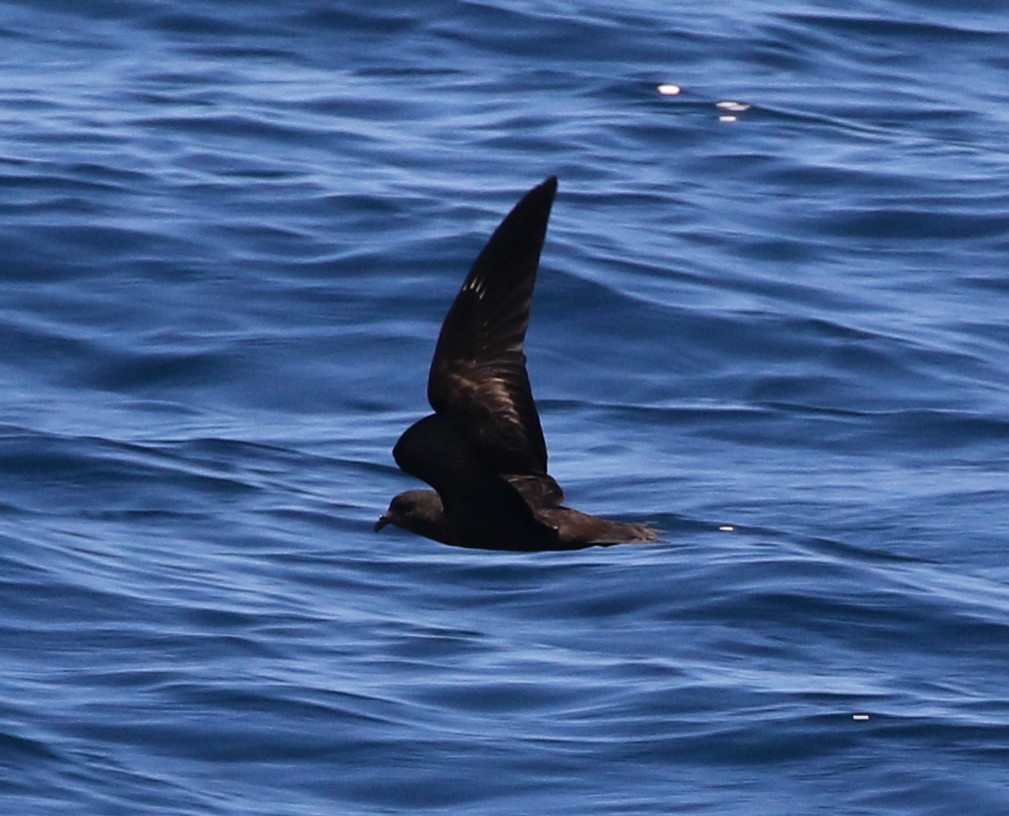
x,y
482,450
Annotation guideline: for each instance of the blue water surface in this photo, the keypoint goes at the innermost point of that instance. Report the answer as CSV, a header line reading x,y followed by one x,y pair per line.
x,y
777,328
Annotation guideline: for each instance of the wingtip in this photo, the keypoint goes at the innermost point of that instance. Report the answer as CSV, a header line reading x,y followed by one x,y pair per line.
x,y
548,186
539,198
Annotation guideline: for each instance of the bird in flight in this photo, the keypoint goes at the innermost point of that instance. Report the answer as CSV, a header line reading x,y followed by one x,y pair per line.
x,y
482,450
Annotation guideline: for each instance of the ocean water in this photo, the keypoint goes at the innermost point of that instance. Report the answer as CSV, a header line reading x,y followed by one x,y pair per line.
x,y
776,329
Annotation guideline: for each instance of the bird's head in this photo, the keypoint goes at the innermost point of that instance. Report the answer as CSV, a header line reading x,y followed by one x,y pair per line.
x,y
419,511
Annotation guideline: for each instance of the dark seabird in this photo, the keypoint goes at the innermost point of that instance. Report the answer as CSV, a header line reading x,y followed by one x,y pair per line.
x,y
482,450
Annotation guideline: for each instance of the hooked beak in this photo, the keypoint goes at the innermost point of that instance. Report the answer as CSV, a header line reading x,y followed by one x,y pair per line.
x,y
383,520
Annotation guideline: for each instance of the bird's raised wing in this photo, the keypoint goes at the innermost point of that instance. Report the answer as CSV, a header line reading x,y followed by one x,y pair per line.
x,y
478,376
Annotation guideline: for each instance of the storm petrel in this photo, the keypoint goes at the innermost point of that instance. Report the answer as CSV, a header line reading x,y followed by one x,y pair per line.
x,y
482,450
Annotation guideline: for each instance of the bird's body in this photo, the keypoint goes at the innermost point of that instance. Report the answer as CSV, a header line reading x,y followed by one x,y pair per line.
x,y
482,450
